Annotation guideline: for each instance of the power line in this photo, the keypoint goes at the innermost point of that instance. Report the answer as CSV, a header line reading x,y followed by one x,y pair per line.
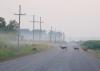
x,y
63,36
19,16
51,34
34,26
40,34
55,34
40,26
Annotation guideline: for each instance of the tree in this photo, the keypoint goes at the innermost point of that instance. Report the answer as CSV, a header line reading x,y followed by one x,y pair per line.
x,y
2,24
12,26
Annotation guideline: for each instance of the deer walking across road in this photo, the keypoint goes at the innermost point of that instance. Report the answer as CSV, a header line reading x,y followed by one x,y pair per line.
x,y
76,48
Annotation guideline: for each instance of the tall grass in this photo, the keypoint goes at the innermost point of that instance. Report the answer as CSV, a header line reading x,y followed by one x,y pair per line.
x,y
9,49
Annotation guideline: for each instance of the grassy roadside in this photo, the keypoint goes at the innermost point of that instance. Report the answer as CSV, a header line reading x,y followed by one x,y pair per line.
x,y
96,53
93,47
11,52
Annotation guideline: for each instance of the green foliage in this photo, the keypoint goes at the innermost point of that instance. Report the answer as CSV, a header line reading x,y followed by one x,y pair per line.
x,y
2,24
92,44
12,26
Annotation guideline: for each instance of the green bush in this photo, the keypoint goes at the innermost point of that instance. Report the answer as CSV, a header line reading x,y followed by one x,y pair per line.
x,y
92,44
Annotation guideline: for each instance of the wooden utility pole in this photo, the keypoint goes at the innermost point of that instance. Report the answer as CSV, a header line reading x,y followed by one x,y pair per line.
x,y
40,34
55,34
51,34
63,36
19,16
34,26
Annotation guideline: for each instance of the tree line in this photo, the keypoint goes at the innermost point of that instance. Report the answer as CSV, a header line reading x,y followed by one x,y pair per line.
x,y
92,44
6,27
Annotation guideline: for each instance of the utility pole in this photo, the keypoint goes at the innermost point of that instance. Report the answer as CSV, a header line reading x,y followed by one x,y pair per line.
x,y
40,34
51,34
19,16
34,26
55,34
63,36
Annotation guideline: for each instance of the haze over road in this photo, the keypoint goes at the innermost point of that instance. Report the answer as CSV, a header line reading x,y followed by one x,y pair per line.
x,y
54,59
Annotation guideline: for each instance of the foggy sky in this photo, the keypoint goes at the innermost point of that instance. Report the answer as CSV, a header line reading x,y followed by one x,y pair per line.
x,y
79,19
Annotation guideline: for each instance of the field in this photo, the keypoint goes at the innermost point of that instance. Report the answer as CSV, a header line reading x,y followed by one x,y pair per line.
x,y
9,48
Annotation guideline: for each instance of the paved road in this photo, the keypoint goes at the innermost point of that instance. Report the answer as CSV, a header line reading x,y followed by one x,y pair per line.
x,y
54,59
